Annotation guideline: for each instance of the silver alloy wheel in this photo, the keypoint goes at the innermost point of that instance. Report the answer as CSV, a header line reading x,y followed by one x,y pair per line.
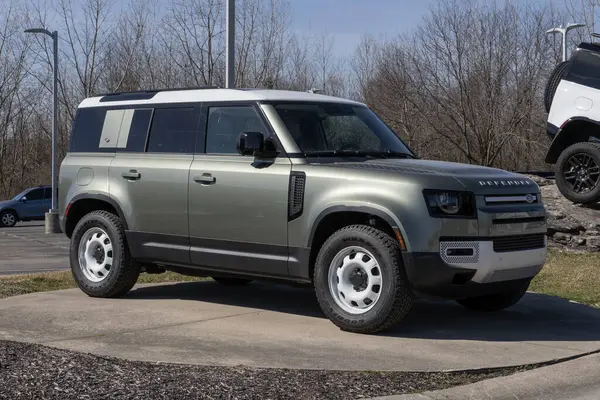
x,y
355,280
95,254
8,219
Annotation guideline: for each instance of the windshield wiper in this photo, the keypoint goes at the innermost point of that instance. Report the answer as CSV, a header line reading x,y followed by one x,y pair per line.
x,y
357,153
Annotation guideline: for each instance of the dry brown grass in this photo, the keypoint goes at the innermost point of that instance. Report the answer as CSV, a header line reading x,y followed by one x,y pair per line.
x,y
572,276
14,285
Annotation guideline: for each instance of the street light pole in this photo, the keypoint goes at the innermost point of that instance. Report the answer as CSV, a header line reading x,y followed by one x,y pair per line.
x,y
52,221
563,32
230,45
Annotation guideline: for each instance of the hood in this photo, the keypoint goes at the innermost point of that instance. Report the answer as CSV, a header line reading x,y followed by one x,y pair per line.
x,y
475,178
4,203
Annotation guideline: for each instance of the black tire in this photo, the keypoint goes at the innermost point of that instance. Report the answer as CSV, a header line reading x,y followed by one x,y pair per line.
x,y
565,186
495,302
552,84
8,222
396,295
124,270
231,281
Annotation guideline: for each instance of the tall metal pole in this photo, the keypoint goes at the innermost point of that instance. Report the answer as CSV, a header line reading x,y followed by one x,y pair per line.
x,y
52,218
54,124
230,46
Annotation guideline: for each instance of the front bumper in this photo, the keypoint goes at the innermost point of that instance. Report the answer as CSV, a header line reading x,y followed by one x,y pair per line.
x,y
486,271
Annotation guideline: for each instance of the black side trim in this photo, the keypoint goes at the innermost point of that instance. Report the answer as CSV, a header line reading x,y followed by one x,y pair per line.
x,y
298,264
101,197
260,258
359,209
551,129
151,247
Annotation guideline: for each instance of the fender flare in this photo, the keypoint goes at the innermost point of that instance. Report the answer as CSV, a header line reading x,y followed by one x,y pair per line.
x,y
382,213
100,197
560,142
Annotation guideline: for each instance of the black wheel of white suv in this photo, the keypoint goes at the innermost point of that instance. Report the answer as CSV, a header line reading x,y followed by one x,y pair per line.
x,y
577,173
360,280
100,260
497,301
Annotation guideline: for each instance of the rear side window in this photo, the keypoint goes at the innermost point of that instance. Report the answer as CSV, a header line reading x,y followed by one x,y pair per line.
x,y
585,69
173,130
87,129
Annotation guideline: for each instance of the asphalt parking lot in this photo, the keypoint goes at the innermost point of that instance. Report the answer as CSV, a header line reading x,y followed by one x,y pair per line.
x,y
26,248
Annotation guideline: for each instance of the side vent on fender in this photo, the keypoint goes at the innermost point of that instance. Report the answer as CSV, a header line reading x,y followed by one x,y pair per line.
x,y
296,195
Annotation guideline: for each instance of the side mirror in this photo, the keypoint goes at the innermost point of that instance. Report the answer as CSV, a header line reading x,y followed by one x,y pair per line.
x,y
24,199
255,144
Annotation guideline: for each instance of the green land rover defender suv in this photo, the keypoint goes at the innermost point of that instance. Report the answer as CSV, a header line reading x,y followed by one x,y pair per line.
x,y
242,185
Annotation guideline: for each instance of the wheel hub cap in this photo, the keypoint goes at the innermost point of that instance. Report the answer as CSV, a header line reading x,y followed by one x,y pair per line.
x,y
582,173
355,280
95,254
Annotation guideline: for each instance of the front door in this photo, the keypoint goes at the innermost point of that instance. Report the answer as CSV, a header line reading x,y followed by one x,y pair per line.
x,y
35,206
238,204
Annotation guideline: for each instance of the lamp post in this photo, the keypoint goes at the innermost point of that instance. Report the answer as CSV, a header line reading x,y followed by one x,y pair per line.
x,y
563,32
230,45
52,222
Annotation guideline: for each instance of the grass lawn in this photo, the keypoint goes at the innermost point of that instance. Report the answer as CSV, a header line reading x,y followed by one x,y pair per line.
x,y
572,276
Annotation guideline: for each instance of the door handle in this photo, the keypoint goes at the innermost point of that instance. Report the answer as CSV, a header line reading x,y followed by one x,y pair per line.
x,y
205,179
131,175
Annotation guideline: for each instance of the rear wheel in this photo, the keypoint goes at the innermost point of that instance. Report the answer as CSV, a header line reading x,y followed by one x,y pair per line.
x,y
495,302
8,218
231,281
577,173
100,260
360,280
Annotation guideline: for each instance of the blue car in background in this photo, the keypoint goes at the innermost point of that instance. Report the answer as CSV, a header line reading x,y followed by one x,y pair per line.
x,y
30,205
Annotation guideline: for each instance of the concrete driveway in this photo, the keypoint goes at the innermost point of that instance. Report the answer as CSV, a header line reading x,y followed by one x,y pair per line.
x,y
266,325
25,248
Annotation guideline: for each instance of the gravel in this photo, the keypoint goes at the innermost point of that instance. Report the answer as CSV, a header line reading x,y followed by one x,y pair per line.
x,y
30,371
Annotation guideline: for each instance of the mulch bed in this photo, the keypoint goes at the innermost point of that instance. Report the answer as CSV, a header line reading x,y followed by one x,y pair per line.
x,y
29,371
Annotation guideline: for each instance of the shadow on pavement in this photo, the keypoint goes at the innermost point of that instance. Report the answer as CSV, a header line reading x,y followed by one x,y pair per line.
x,y
536,318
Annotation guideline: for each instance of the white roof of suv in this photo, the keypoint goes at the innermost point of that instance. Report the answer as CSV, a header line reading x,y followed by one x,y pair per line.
x,y
211,95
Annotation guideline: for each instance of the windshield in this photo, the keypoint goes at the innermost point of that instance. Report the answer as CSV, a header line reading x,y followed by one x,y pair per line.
x,y
323,129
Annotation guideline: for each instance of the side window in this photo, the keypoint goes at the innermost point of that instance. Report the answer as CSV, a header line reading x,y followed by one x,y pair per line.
x,y
87,129
173,130
47,193
134,130
585,69
36,194
225,123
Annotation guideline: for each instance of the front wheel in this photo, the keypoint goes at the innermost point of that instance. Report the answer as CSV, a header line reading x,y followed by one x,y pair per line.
x,y
100,260
578,173
8,219
495,302
360,280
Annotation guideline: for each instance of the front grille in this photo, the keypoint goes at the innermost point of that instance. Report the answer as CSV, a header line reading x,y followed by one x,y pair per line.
x,y
498,200
503,244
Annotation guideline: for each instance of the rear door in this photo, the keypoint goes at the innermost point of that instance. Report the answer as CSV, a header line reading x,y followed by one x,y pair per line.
x,y
149,178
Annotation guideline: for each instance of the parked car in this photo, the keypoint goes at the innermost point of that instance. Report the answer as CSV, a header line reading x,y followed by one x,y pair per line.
x,y
294,187
572,100
30,205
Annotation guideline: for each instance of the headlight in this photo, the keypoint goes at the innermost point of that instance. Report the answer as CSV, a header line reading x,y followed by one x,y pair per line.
x,y
447,203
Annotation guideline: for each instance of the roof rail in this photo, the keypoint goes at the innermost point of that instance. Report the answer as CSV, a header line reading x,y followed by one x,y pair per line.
x,y
145,94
